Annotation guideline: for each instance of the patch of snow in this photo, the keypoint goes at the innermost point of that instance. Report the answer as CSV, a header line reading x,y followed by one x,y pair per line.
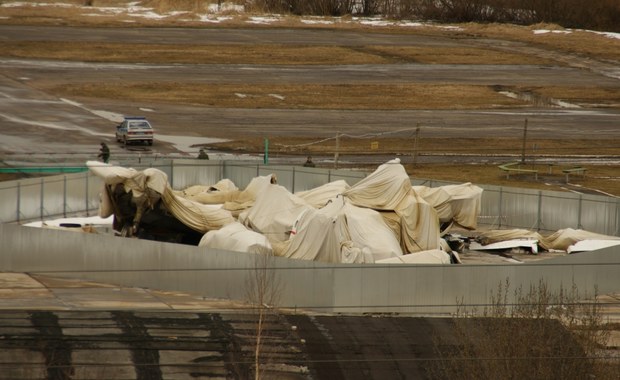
x,y
277,96
546,31
214,20
239,95
225,7
375,21
564,104
606,34
509,94
29,4
146,109
262,20
316,21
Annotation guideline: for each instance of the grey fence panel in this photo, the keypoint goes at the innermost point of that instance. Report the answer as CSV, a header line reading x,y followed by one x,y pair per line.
x,y
9,201
52,196
350,176
599,214
557,211
520,209
30,199
188,173
240,173
285,175
423,289
309,178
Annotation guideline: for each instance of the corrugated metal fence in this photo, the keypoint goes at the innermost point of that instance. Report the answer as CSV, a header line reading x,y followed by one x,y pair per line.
x,y
402,288
423,289
502,207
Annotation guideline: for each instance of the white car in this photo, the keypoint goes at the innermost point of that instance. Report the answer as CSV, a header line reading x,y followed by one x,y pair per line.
x,y
134,130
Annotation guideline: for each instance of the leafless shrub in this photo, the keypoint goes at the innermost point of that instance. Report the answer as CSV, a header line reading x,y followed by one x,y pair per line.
x,y
263,290
534,334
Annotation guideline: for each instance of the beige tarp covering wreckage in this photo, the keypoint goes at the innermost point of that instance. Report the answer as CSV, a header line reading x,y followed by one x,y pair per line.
x,y
382,218
561,240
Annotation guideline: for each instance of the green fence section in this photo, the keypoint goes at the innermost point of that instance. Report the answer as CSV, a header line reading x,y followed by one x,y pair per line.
x,y
45,169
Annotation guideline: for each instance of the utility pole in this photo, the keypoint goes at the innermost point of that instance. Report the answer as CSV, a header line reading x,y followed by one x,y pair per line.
x,y
524,138
337,150
415,144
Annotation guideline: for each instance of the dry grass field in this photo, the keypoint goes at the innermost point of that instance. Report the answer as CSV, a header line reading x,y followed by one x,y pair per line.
x,y
427,96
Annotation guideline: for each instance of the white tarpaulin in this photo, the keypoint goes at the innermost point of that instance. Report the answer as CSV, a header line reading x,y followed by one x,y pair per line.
x,y
313,237
223,191
236,237
273,212
319,196
563,239
364,228
458,203
389,189
150,185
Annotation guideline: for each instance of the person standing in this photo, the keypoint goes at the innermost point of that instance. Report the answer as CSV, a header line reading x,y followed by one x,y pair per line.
x,y
309,162
104,152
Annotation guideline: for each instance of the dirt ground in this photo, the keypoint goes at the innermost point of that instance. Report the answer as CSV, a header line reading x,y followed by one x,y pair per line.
x,y
470,89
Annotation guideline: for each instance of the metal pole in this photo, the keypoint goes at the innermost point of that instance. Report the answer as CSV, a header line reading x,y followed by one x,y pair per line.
x,y
579,226
172,174
64,196
19,195
524,138
41,197
266,156
539,221
337,153
415,144
293,189
501,196
86,195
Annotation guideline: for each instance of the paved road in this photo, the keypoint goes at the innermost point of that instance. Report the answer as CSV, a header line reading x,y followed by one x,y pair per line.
x,y
34,121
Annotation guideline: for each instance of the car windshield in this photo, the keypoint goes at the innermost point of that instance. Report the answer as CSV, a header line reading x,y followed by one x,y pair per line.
x,y
139,124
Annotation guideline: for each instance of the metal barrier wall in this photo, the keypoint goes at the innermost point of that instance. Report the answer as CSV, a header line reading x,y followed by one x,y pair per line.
x,y
501,207
418,289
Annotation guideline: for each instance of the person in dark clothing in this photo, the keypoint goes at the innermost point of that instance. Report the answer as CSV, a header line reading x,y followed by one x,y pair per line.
x,y
104,152
309,162
202,154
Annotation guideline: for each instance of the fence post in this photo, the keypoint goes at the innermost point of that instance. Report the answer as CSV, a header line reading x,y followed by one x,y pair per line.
x,y
172,174
86,195
19,195
41,197
501,196
579,225
293,185
618,217
538,219
64,196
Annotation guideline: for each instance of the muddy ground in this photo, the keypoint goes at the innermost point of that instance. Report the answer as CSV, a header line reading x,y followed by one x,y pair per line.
x,y
59,109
